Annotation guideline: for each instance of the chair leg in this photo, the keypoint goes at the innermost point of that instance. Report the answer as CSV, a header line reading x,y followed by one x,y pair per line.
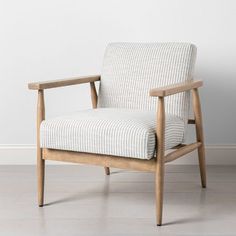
x,y
107,170
40,161
200,136
160,164
40,173
159,192
202,164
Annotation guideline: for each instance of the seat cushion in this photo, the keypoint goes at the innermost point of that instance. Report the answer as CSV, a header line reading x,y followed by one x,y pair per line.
x,y
111,131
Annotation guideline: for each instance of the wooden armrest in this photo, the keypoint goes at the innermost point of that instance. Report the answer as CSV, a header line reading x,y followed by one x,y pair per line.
x,y
175,88
63,82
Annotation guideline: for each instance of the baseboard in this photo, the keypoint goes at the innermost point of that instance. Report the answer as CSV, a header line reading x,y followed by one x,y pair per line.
x,y
19,155
26,155
215,155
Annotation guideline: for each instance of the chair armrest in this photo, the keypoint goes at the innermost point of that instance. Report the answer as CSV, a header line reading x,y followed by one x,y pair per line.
x,y
175,88
64,82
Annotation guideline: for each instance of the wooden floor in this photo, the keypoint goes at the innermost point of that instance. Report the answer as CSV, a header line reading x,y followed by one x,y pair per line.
x,y
81,200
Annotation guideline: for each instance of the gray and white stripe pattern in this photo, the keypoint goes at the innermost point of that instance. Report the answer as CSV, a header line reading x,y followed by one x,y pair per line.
x,y
125,122
111,131
130,70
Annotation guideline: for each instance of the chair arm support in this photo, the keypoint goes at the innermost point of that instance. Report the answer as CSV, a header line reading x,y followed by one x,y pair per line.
x,y
64,82
175,88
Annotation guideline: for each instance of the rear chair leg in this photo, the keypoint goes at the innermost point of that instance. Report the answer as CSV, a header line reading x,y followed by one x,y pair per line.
x,y
107,170
202,164
200,136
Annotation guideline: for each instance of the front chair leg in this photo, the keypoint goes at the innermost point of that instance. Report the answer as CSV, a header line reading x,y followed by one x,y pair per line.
x,y
40,161
159,191
160,159
40,173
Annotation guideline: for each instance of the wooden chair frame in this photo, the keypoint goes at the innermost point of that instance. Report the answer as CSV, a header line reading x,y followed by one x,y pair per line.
x,y
156,165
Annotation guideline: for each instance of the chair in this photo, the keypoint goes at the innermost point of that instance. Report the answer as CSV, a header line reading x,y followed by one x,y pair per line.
x,y
140,112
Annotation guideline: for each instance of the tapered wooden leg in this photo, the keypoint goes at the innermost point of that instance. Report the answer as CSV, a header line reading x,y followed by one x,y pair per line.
x,y
202,165
159,191
40,173
200,136
40,161
160,160
107,170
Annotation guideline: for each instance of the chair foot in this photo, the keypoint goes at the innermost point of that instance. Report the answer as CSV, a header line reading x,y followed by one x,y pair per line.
x,y
159,192
202,165
41,173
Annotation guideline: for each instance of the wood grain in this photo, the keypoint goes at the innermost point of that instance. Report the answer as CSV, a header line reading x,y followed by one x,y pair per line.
x,y
62,83
100,160
94,96
181,151
160,168
40,160
175,88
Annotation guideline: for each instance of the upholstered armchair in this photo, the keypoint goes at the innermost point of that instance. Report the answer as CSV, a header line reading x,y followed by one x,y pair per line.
x,y
140,113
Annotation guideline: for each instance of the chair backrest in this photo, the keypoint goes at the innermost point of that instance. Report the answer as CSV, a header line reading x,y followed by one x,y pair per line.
x,y
130,70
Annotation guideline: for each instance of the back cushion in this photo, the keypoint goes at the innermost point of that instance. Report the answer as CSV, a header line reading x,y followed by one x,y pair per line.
x,y
130,70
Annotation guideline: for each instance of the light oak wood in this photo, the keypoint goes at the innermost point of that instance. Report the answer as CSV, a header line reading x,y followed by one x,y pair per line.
x,y
175,88
160,168
94,98
40,160
181,151
200,136
62,83
100,160
179,146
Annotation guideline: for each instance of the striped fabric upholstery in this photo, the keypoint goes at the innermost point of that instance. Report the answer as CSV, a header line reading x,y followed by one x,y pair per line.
x,y
130,70
124,123
112,131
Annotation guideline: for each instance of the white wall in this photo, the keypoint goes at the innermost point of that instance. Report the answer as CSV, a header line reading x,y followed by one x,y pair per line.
x,y
53,39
